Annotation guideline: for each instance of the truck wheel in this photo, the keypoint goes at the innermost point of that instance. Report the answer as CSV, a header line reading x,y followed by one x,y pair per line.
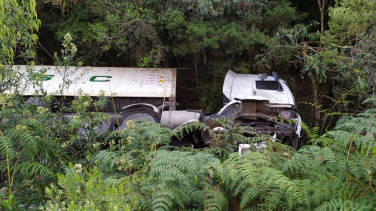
x,y
135,117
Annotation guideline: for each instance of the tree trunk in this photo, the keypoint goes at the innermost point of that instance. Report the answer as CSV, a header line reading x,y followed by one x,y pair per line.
x,y
322,4
316,99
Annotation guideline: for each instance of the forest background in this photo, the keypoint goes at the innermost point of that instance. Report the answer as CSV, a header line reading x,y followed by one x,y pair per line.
x,y
323,49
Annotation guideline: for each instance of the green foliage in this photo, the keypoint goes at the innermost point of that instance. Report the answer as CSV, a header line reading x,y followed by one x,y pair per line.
x,y
18,20
350,38
180,180
17,25
326,174
37,144
350,19
128,148
253,177
139,173
82,189
341,173
136,168
342,204
28,155
100,26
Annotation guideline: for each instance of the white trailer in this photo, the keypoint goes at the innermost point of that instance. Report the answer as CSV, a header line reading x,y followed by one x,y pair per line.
x,y
123,82
152,87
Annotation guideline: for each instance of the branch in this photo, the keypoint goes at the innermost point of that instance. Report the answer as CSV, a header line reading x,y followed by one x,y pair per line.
x,y
339,46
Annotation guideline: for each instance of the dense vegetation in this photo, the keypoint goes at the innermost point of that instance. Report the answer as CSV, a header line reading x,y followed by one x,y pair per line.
x,y
50,162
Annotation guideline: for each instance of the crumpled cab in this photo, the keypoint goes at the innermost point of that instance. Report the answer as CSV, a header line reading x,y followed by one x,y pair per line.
x,y
262,102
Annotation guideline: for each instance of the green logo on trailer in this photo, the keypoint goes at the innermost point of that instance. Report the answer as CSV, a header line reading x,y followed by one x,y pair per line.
x,y
48,77
94,78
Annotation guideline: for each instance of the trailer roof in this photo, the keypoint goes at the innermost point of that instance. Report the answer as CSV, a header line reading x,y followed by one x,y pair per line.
x,y
124,81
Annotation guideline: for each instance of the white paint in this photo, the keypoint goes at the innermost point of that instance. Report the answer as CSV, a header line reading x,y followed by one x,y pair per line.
x,y
243,87
125,81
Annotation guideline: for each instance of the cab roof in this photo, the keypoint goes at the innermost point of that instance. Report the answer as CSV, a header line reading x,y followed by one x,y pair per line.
x,y
244,87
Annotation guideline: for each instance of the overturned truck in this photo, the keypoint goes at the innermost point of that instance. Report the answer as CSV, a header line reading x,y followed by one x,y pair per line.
x,y
262,102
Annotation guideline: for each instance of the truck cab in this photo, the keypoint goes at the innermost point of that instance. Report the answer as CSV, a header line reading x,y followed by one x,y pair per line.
x,y
262,102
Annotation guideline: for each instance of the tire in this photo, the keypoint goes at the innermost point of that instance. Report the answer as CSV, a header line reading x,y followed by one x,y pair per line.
x,y
135,117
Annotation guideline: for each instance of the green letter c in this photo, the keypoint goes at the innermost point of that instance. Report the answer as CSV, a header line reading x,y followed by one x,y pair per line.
x,y
92,79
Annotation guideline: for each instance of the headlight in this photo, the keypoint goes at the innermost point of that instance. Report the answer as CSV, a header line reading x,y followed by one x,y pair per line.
x,y
287,114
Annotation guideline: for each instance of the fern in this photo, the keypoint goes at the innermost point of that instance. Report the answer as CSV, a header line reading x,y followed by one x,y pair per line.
x,y
340,204
107,160
34,124
6,147
162,198
248,195
214,199
254,177
178,180
191,128
34,155
33,168
115,180
24,139
326,172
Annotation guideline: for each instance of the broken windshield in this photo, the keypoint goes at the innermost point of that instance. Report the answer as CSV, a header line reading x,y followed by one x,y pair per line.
x,y
269,85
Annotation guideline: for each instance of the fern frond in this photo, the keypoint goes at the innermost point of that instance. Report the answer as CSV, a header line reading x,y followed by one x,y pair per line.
x,y
107,160
186,194
248,195
340,204
35,124
214,198
113,135
25,139
253,172
34,168
162,198
273,200
258,207
6,147
190,128
113,181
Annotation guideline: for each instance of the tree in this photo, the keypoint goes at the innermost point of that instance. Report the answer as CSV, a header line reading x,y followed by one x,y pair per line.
x,y
18,23
343,52
351,35
109,32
